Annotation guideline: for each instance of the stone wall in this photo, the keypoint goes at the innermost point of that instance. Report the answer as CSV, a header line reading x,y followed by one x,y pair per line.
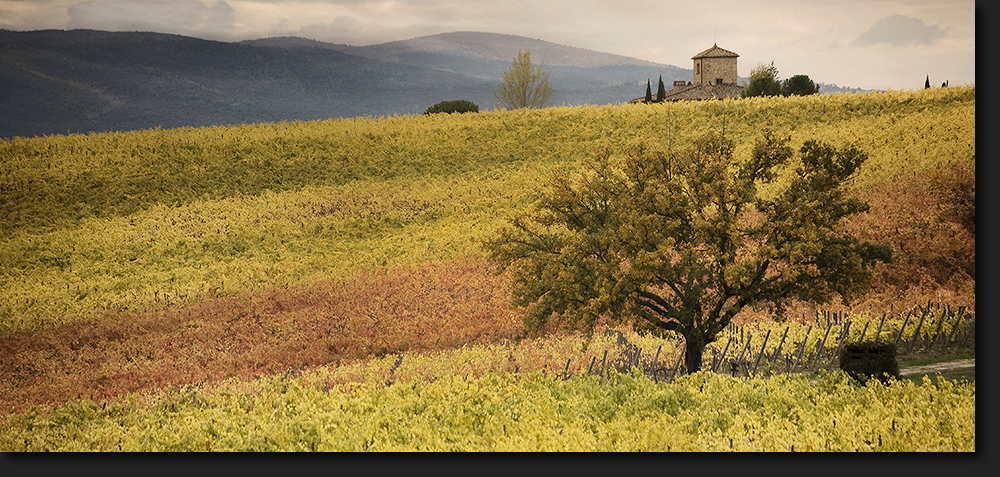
x,y
706,70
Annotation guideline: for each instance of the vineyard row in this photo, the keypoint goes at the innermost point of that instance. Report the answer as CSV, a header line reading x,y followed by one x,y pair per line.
x,y
931,328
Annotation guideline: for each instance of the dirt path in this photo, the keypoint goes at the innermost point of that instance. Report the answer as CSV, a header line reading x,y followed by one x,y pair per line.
x,y
938,367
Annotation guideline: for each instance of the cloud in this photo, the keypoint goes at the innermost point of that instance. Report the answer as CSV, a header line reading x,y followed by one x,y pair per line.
x,y
899,30
174,16
815,37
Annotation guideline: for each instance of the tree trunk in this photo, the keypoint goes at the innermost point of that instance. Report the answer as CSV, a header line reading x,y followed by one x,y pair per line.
x,y
694,347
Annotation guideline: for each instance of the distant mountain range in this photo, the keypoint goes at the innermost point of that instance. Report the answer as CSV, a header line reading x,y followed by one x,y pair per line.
x,y
78,81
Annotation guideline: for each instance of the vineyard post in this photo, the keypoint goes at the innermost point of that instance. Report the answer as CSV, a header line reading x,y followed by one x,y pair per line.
x,y
901,328
940,326
878,332
916,332
774,358
591,367
653,366
757,361
972,331
676,364
745,346
566,370
863,331
958,320
961,310
819,346
722,358
840,342
603,363
802,349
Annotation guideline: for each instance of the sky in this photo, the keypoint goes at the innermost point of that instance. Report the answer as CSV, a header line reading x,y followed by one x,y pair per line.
x,y
868,44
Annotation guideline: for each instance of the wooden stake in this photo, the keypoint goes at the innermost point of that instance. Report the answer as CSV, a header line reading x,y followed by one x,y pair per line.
x,y
802,349
757,361
819,346
746,346
723,357
958,321
676,364
653,366
843,337
878,332
916,332
900,334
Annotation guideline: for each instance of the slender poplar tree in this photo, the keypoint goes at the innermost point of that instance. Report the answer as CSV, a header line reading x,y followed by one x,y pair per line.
x,y
524,84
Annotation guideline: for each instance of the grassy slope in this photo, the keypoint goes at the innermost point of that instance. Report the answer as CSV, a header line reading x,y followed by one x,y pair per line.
x,y
126,241
118,221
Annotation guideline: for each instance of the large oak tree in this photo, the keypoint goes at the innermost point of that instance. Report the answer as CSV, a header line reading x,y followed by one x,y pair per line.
x,y
683,241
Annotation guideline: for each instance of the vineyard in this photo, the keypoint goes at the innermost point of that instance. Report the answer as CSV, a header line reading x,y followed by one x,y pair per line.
x,y
322,286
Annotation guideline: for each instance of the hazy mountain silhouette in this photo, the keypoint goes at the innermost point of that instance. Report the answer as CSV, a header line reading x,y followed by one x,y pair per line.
x,y
78,81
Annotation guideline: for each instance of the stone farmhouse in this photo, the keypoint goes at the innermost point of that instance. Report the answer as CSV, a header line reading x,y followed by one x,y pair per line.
x,y
714,78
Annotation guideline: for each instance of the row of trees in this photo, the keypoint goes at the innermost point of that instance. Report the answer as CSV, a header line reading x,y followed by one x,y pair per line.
x,y
526,85
661,92
764,82
927,83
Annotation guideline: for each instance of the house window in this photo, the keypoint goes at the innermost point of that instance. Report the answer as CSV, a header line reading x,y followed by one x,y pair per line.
x,y
718,80
697,69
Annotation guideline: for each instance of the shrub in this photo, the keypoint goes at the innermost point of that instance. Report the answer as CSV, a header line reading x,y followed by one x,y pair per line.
x,y
453,106
866,359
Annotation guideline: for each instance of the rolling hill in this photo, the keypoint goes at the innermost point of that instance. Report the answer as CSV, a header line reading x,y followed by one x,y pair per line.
x,y
78,81
57,82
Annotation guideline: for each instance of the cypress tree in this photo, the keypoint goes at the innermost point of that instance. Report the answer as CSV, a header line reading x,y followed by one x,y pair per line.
x,y
927,82
649,93
661,92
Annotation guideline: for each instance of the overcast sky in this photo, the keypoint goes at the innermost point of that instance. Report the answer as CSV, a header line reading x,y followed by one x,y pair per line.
x,y
871,44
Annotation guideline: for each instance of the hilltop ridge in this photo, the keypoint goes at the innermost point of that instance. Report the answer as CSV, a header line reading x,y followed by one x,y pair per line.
x,y
79,81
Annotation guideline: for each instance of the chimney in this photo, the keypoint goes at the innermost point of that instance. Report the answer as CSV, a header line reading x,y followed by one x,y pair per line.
x,y
679,84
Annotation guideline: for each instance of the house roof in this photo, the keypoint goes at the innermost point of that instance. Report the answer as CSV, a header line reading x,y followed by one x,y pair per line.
x,y
643,99
704,91
715,52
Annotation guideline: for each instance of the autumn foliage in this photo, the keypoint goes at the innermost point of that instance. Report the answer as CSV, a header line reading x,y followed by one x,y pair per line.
x,y
425,308
151,259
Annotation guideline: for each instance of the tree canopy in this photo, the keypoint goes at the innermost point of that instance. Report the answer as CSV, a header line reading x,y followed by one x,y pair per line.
x,y
683,241
763,81
524,85
453,106
799,85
